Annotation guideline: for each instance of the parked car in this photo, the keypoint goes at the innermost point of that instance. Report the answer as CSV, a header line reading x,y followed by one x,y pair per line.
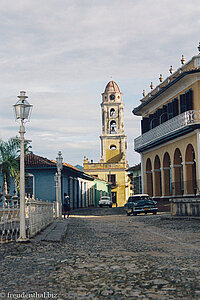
x,y
140,203
105,201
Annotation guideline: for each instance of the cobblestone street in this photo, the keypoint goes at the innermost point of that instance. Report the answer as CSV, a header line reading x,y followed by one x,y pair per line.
x,y
107,255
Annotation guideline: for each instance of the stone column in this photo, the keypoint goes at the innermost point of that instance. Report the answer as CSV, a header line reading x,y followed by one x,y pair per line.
x,y
75,193
142,172
156,183
165,178
79,192
148,186
83,194
188,178
176,180
173,180
71,192
86,195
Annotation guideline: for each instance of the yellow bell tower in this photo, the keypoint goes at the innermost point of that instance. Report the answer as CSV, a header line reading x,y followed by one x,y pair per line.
x,y
113,139
113,165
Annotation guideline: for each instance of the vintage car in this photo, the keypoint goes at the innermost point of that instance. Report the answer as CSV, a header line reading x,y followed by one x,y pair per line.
x,y
105,201
140,203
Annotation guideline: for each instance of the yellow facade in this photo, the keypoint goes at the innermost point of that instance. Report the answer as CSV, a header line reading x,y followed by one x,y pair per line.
x,y
112,156
113,165
170,140
159,184
104,171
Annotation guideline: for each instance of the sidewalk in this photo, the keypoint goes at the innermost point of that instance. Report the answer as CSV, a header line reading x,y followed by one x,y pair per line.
x,y
55,232
169,217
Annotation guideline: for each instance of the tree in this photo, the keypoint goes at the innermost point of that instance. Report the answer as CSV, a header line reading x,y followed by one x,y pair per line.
x,y
9,161
9,165
27,146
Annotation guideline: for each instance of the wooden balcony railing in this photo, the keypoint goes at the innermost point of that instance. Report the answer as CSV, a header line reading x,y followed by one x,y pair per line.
x,y
188,118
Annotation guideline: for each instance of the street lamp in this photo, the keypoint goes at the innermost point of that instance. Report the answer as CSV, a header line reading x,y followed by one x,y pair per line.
x,y
59,160
22,111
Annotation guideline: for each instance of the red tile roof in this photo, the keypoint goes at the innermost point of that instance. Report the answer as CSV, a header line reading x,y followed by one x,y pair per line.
x,y
68,165
32,160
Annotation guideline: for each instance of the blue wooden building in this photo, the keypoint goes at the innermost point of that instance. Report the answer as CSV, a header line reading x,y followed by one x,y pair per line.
x,y
81,187
40,182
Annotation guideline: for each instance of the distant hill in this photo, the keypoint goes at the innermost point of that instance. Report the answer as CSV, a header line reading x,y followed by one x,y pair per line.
x,y
79,167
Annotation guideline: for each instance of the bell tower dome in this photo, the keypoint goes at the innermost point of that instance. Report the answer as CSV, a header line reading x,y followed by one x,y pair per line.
x,y
113,139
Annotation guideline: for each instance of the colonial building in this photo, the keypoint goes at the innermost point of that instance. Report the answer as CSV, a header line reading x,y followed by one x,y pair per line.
x,y
135,178
83,189
169,143
113,164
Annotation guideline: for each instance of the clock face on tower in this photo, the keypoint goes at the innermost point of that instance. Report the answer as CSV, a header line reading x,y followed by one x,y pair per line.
x,y
112,97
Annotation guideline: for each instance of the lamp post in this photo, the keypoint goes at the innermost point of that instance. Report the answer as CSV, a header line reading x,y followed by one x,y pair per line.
x,y
59,160
22,111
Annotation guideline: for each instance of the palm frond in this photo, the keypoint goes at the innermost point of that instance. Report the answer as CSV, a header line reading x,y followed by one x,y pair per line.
x,y
9,165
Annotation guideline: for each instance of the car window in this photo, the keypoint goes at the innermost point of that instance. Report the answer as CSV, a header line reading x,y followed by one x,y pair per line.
x,y
136,199
145,202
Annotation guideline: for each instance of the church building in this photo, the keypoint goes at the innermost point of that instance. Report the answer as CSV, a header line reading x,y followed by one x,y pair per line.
x,y
113,164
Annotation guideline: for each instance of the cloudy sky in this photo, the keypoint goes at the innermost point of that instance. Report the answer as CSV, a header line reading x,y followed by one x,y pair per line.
x,y
64,52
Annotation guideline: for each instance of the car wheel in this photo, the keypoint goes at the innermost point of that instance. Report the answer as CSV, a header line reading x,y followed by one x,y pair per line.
x,y
127,213
134,213
155,212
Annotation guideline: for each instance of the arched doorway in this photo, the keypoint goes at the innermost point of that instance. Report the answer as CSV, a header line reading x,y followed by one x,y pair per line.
x,y
177,185
190,171
149,181
157,177
167,178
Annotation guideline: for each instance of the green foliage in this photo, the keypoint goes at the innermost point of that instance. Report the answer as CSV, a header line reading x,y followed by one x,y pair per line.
x,y
9,164
27,145
9,160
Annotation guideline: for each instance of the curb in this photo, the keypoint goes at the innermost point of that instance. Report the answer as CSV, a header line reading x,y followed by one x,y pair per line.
x,y
55,232
180,218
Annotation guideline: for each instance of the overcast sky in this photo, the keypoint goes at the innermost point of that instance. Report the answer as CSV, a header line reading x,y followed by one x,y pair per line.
x,y
64,52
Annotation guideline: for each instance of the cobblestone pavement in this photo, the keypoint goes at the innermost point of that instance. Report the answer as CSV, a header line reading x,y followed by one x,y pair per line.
x,y
107,255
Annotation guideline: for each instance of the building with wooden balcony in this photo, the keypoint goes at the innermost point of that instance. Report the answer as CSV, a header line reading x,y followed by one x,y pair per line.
x,y
113,164
169,143
135,178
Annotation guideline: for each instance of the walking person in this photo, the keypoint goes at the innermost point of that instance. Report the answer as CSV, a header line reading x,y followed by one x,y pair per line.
x,y
66,206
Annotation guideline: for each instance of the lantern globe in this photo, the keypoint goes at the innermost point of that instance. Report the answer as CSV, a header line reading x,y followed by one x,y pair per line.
x,y
22,108
59,160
